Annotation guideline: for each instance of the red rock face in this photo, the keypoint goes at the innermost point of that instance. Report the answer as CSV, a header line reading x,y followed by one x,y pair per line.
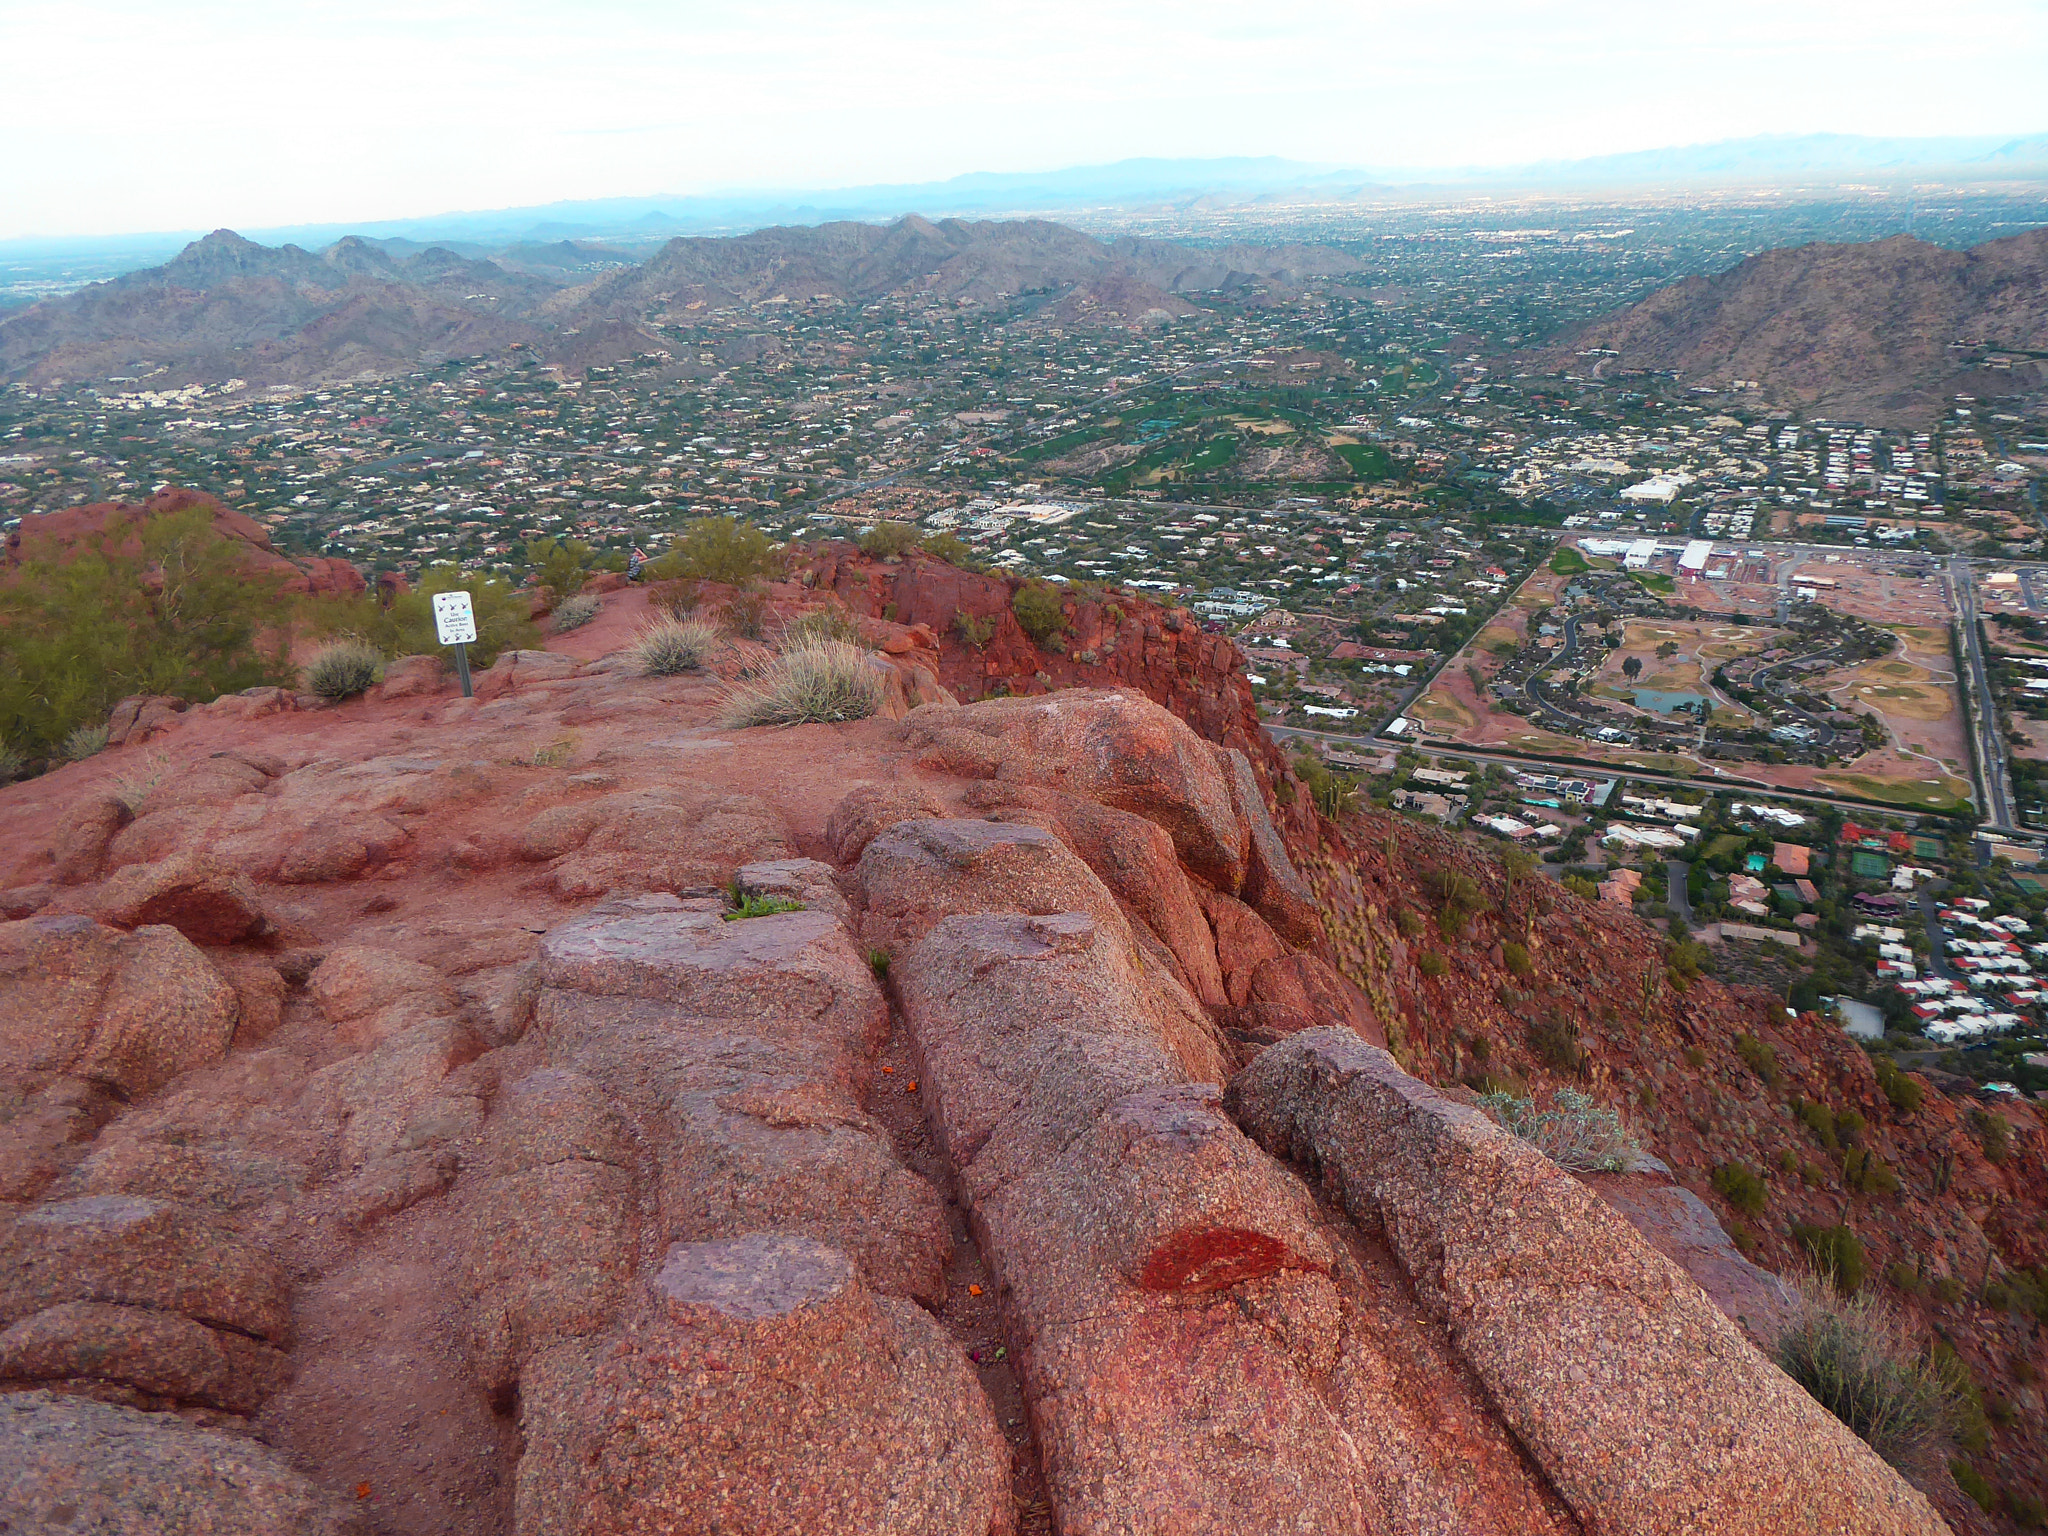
x,y
50,535
918,1207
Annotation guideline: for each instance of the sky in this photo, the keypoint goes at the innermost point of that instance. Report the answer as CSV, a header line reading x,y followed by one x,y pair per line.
x,y
139,115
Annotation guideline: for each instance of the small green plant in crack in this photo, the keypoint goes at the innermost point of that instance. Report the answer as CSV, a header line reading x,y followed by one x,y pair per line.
x,y
760,906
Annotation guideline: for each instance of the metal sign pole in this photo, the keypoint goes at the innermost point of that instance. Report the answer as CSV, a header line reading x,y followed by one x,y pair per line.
x,y
462,669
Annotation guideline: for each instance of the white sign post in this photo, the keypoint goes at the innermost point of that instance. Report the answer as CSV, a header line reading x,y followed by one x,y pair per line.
x,y
455,623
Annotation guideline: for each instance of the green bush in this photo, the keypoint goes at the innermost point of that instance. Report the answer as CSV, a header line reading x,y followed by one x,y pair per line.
x,y
1948,1289
1835,1252
165,605
1865,1171
1759,1058
343,669
406,628
973,631
1739,1185
1433,964
1516,958
887,540
1855,1358
1819,1119
1994,1133
575,612
1409,925
560,566
811,682
667,646
1037,605
1972,1482
720,549
12,764
952,549
1902,1088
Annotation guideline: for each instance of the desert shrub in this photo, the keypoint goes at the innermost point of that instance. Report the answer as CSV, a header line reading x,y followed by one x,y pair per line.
x,y
667,646
1947,1289
1554,1041
1834,1252
1849,1128
1433,964
1905,1277
743,615
553,754
973,631
1409,925
1856,1359
575,612
1864,1171
2027,1511
1820,1120
815,681
1579,885
1516,958
83,741
1994,1133
1759,1058
12,763
1577,1132
1695,1057
1997,1297
164,605
343,669
1973,1482
721,549
1037,605
1902,1088
678,599
889,540
1738,1184
830,622
952,549
560,566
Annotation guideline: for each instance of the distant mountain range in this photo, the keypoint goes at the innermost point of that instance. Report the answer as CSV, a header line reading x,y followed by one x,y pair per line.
x,y
226,307
1138,183
1884,331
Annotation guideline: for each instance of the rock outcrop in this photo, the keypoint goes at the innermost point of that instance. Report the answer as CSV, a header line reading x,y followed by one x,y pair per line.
x,y
555,1113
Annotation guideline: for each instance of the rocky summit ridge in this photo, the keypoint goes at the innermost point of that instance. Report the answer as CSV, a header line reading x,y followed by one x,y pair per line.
x,y
556,1112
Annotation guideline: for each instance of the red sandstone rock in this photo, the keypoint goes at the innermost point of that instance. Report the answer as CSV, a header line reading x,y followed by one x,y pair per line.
x,y
1645,1406
190,892
132,1010
761,1387
83,838
868,808
129,1251
69,1464
159,1354
1119,750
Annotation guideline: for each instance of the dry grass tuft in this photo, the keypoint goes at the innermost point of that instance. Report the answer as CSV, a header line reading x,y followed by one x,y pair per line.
x,y
813,681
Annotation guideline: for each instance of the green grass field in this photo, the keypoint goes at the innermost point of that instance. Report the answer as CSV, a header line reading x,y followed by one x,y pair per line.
x,y
1567,561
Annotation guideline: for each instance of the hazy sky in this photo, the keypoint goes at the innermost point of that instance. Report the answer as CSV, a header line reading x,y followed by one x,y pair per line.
x,y
122,115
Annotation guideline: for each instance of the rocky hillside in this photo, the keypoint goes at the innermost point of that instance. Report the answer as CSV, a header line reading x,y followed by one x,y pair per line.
x,y
1883,331
982,262
226,307
555,1112
60,535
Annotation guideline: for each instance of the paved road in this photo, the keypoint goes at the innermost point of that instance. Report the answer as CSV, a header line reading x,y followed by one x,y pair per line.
x,y
1679,897
1993,776
1937,960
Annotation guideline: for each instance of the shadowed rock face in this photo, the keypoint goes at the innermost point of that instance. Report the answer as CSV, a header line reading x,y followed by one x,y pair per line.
x,y
456,1154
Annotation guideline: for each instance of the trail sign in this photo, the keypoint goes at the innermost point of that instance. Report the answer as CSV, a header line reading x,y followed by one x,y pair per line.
x,y
454,618
455,623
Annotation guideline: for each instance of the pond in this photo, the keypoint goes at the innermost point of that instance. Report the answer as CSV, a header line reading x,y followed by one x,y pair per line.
x,y
1664,702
